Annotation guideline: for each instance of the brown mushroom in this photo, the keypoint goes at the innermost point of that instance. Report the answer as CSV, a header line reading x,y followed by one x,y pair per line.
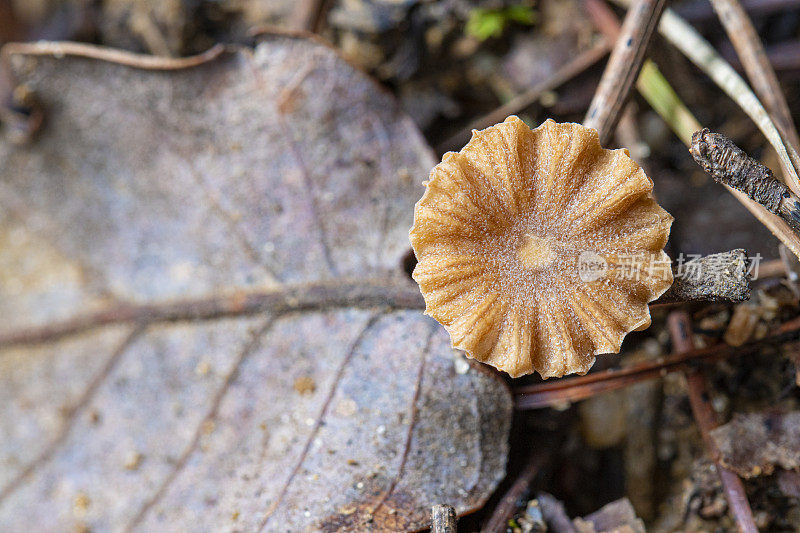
x,y
538,249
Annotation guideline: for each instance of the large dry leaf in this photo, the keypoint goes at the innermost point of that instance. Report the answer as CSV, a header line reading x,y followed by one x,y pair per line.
x,y
204,323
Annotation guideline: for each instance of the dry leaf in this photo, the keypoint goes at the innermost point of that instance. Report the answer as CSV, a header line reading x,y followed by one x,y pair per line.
x,y
615,517
755,443
177,251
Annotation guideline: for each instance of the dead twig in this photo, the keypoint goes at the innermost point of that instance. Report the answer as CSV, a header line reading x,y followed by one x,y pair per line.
x,y
304,296
578,388
504,511
759,71
715,277
729,165
104,53
443,519
19,112
572,68
681,334
623,67
603,18
663,99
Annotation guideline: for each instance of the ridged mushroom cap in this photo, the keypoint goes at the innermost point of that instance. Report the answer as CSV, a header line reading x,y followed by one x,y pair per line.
x,y
539,249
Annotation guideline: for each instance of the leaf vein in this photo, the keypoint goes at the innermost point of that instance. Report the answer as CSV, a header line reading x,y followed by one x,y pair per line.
x,y
72,416
249,348
318,423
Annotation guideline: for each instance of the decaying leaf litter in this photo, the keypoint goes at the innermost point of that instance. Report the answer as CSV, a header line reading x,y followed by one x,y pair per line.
x,y
259,420
653,435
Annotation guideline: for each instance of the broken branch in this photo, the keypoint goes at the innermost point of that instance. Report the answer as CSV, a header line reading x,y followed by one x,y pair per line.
x,y
729,165
443,519
712,278
504,511
623,67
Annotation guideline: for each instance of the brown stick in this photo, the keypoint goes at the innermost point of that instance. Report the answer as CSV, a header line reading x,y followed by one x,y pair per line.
x,y
729,165
603,18
574,389
759,71
623,67
680,330
505,509
565,73
443,519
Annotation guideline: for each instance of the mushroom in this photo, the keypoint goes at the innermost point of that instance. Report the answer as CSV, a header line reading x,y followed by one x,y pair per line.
x,y
539,249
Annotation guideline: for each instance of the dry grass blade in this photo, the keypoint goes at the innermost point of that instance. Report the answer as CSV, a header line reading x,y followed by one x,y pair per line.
x,y
663,99
759,71
702,54
778,227
660,95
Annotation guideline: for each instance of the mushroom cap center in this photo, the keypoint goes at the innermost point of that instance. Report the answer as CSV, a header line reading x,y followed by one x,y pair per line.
x,y
535,252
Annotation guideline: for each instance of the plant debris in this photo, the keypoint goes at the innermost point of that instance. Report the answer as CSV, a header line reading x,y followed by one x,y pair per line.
x,y
754,444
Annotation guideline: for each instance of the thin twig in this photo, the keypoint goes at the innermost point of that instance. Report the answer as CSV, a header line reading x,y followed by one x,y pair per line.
x,y
658,92
504,511
578,388
623,67
104,53
680,330
569,70
729,165
443,519
603,18
701,53
762,76
650,83
19,112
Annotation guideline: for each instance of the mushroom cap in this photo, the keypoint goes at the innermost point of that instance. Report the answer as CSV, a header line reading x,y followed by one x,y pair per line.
x,y
539,249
